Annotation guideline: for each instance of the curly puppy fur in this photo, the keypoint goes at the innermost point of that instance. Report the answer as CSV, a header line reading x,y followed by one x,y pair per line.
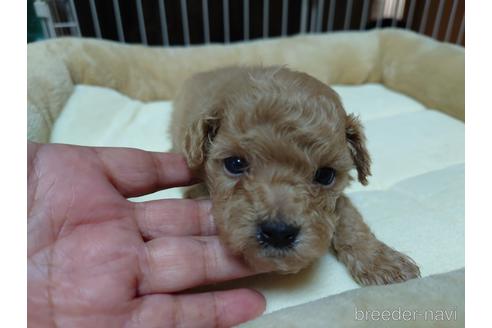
x,y
286,124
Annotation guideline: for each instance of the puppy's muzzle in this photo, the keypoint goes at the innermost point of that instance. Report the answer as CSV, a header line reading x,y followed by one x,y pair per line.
x,y
276,234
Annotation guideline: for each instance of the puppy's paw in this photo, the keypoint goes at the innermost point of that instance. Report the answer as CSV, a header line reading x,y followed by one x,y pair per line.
x,y
385,266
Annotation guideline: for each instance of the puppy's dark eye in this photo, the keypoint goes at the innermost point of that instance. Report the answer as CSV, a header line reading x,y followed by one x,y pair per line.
x,y
235,165
325,176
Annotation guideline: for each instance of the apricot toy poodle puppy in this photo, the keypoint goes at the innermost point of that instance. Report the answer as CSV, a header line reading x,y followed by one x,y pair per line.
x,y
274,149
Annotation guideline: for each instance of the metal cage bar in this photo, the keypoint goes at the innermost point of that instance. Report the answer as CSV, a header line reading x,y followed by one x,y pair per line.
x,y
331,15
319,16
95,19
75,18
141,22
266,17
119,25
304,8
394,19
437,22
206,23
379,20
364,15
225,17
423,23
285,16
348,12
246,20
459,39
312,17
452,17
163,20
411,12
184,20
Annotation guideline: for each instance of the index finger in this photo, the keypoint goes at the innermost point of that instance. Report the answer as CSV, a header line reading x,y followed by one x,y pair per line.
x,y
174,217
135,172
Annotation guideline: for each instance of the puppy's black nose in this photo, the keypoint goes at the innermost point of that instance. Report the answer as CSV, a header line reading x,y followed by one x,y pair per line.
x,y
276,234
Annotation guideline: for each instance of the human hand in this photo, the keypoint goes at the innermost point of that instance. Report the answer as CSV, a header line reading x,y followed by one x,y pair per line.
x,y
96,259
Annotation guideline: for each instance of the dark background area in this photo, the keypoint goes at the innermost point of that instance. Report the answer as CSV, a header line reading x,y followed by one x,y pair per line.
x,y
34,31
129,16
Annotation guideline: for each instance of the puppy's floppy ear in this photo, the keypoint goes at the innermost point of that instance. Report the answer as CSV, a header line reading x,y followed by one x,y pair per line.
x,y
357,145
198,138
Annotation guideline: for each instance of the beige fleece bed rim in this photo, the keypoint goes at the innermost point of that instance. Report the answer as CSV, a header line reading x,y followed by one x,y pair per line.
x,y
429,71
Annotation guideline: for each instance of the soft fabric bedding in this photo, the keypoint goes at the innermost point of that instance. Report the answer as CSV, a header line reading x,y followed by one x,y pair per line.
x,y
407,89
417,184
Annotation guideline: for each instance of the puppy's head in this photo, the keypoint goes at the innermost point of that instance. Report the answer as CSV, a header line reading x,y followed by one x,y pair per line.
x,y
276,154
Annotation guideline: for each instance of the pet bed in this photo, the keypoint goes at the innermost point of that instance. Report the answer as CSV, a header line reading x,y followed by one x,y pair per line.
x,y
408,91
